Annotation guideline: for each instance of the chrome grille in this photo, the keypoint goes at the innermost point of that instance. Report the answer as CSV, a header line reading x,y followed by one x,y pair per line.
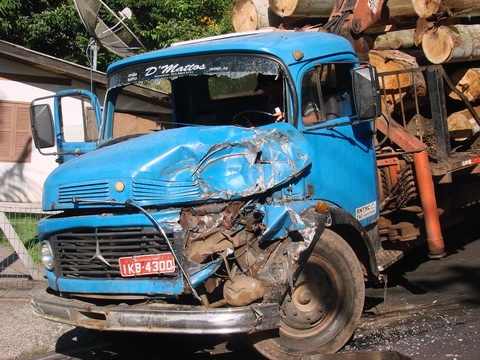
x,y
76,253
91,191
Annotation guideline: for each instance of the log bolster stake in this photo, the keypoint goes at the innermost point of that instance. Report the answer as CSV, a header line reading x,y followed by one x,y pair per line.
x,y
408,142
436,247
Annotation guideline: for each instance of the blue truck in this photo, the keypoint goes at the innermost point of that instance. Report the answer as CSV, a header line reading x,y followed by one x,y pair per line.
x,y
207,211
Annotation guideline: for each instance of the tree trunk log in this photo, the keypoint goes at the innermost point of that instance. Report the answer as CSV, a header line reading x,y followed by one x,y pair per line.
x,y
397,11
467,82
421,127
323,8
393,12
398,90
395,40
302,8
427,8
249,15
462,126
392,60
454,43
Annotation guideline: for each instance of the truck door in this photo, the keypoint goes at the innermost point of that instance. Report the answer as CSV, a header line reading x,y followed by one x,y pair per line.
x,y
66,124
344,170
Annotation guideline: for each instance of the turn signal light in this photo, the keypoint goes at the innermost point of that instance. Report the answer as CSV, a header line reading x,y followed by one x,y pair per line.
x,y
321,206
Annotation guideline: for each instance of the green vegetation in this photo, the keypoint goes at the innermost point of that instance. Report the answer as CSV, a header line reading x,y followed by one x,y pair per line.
x,y
25,225
54,27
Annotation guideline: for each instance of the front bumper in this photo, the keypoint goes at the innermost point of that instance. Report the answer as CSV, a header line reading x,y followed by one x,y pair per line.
x,y
154,317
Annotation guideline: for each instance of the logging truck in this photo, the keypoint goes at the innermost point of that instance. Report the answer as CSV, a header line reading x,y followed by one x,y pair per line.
x,y
223,215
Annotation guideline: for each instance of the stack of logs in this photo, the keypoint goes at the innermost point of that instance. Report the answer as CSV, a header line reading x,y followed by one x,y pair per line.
x,y
410,33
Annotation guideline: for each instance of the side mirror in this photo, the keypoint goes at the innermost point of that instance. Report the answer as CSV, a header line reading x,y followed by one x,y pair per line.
x,y
41,120
366,93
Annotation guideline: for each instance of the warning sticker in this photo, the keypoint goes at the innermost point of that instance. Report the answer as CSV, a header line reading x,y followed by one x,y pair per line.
x,y
366,211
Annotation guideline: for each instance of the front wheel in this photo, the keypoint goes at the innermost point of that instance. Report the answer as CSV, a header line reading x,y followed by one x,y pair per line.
x,y
323,309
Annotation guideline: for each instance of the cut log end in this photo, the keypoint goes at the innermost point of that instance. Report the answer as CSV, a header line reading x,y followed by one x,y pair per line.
x,y
438,45
426,8
467,81
452,43
462,126
244,17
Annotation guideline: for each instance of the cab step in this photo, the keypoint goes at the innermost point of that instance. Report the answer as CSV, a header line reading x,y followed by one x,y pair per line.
x,y
385,258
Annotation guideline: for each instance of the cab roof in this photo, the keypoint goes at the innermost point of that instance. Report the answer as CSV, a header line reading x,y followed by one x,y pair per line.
x,y
281,44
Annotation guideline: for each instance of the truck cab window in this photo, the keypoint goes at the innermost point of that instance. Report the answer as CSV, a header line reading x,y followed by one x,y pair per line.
x,y
311,95
147,113
78,119
273,89
321,95
224,87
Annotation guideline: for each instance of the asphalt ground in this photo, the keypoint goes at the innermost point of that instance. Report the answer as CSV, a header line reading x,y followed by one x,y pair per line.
x,y
429,309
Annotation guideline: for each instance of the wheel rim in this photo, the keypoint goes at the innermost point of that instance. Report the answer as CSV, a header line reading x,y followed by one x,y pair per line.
x,y
314,303
324,306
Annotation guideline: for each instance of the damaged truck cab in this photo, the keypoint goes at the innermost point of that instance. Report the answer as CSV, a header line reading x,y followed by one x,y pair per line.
x,y
195,211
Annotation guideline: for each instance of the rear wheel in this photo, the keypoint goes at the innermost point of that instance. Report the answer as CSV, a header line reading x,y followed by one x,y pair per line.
x,y
322,311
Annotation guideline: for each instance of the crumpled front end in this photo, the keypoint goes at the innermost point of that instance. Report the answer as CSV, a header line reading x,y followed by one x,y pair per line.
x,y
232,240
131,254
226,270
180,166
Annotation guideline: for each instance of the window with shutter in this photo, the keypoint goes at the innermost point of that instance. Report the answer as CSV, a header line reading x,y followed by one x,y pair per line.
x,y
15,135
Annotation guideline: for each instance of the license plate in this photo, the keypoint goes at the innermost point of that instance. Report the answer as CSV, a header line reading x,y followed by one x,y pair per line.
x,y
146,264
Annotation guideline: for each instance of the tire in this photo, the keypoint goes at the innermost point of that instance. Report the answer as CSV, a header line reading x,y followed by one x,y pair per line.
x,y
321,314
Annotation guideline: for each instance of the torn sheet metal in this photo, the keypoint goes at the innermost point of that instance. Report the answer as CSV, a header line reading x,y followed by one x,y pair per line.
x,y
186,165
253,162
280,221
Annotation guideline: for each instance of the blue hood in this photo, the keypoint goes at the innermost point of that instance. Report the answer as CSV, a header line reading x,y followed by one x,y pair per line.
x,y
180,166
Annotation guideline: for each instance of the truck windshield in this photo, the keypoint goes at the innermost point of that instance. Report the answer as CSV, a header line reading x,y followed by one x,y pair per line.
x,y
202,91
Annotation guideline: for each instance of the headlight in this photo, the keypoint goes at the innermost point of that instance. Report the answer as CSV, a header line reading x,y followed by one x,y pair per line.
x,y
47,255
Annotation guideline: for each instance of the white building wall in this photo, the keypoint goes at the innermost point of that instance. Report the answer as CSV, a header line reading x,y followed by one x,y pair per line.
x,y
24,182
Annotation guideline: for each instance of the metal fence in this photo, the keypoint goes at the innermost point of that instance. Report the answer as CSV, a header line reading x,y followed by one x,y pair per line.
x,y
20,264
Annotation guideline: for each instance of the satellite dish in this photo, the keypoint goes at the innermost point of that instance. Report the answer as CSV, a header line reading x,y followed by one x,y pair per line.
x,y
117,38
